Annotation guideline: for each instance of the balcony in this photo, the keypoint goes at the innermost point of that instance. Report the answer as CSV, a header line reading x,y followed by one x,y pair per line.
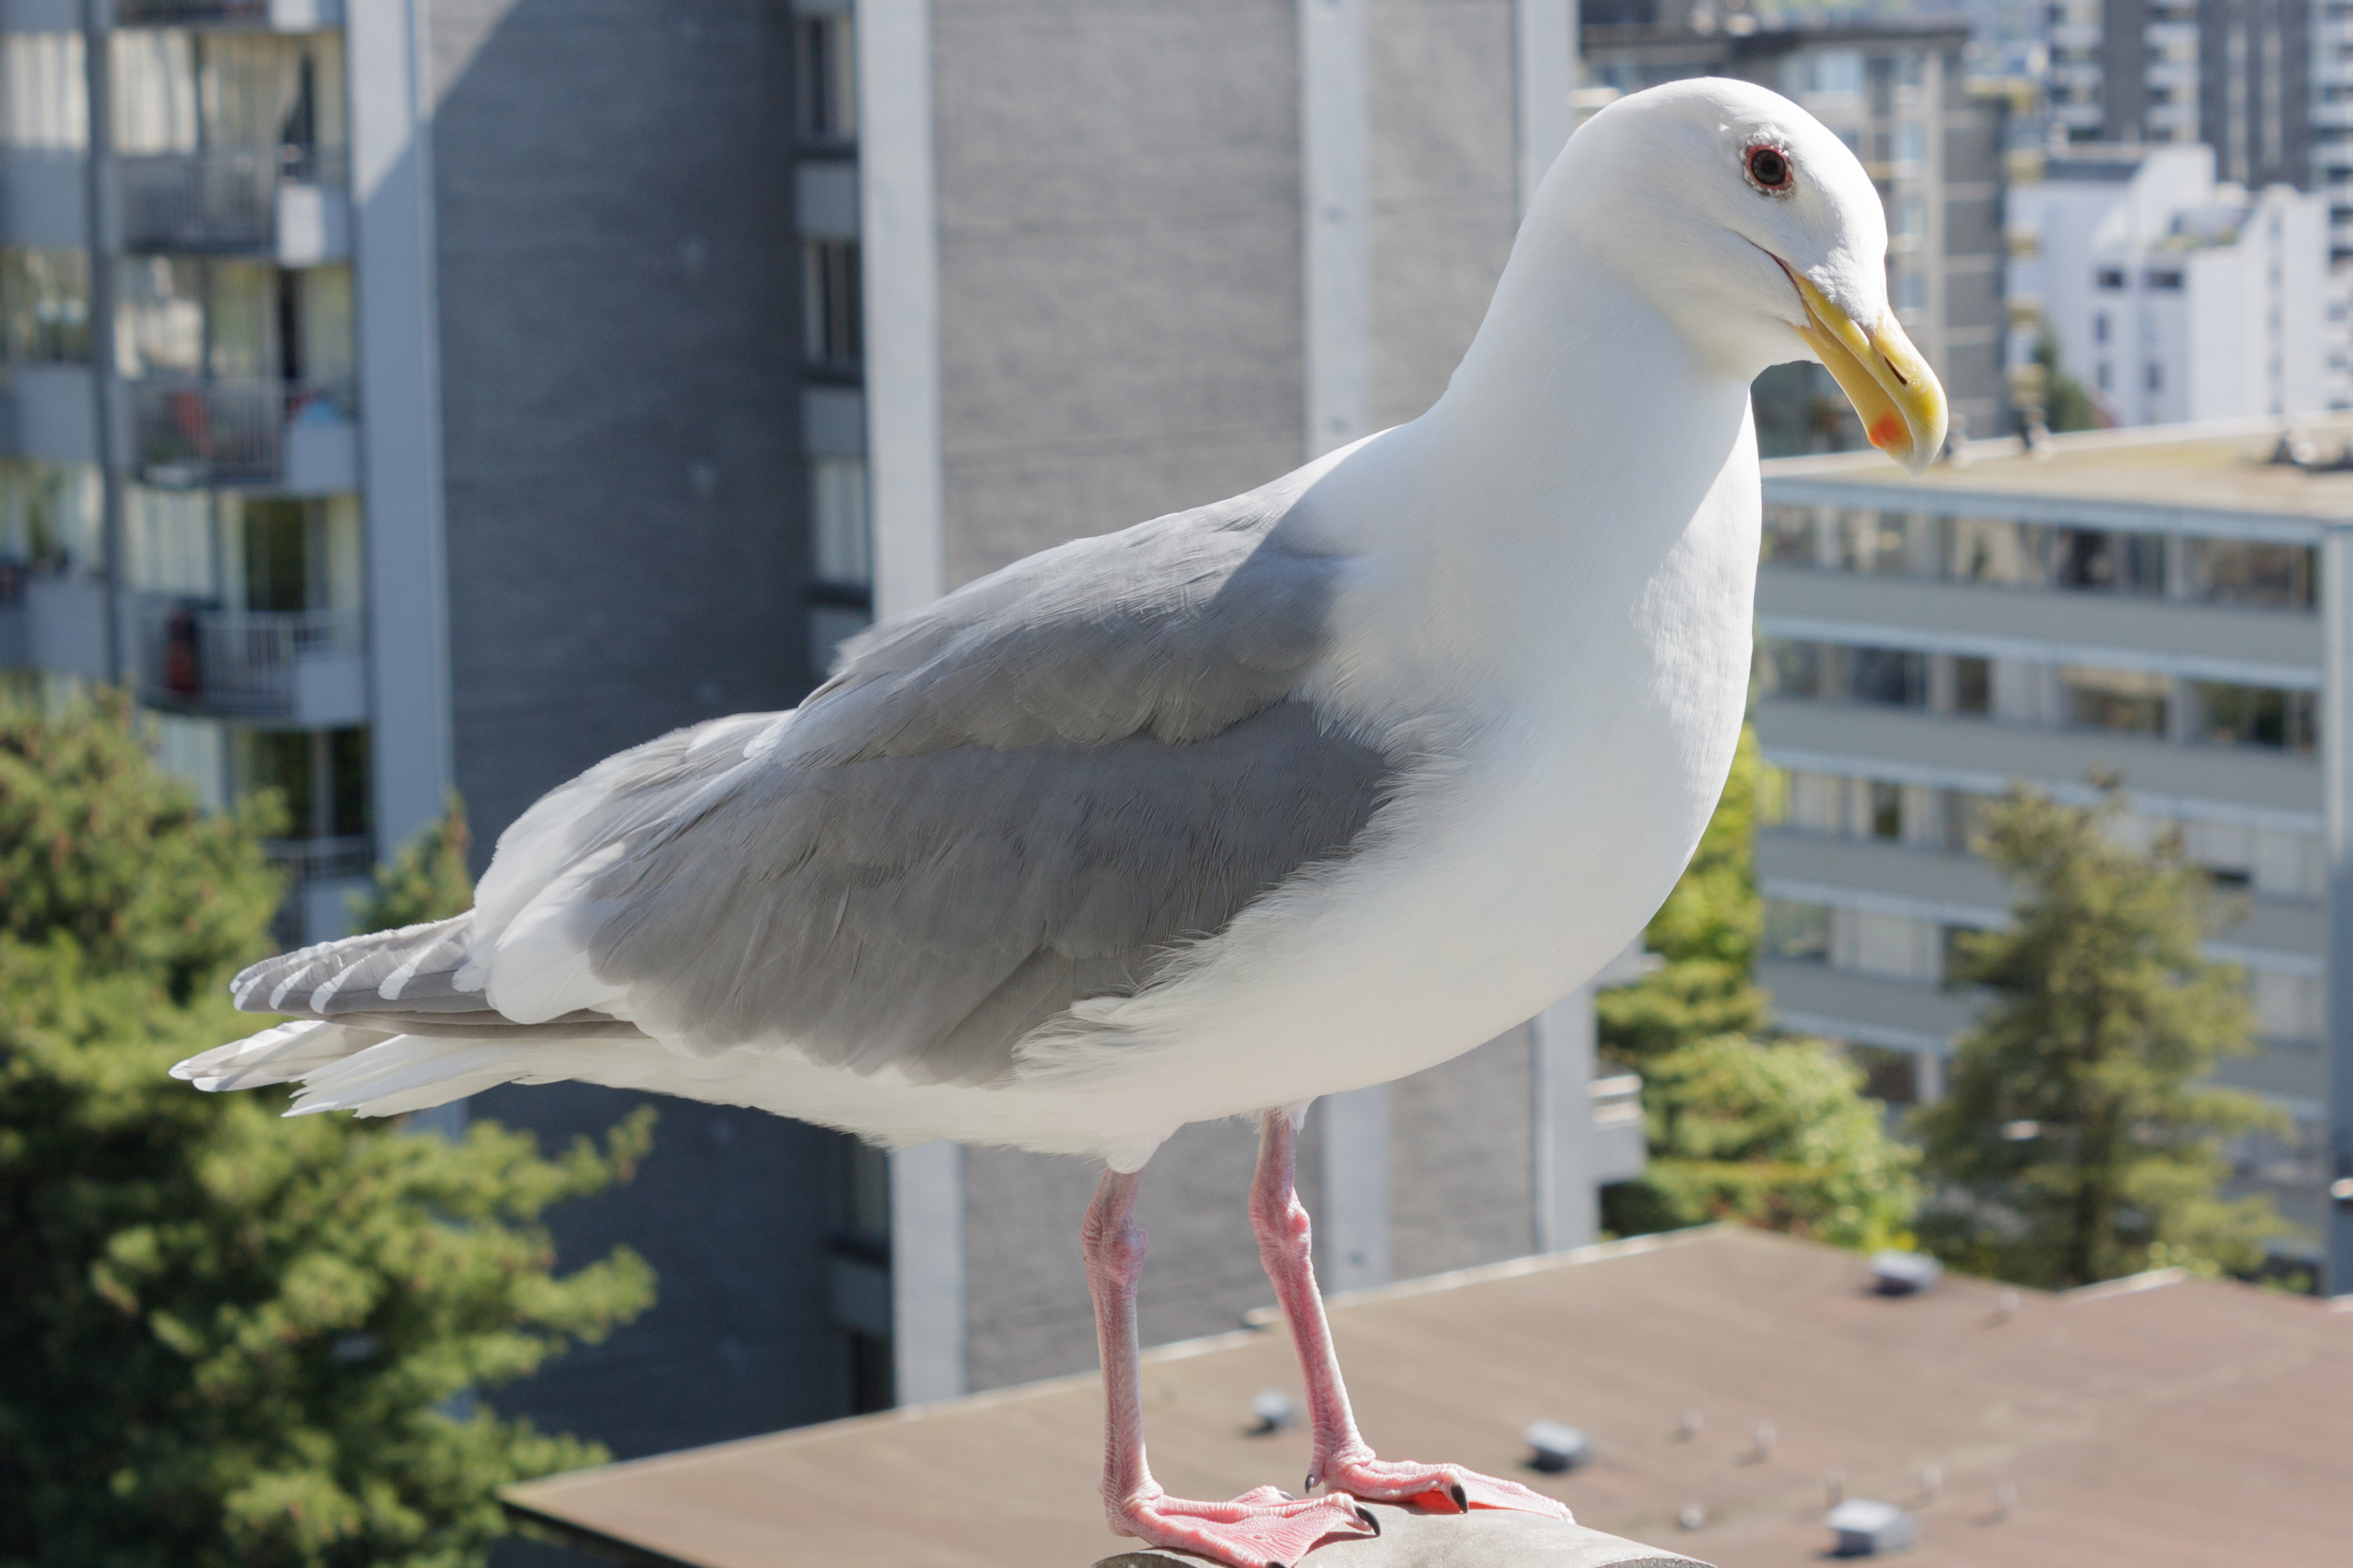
x,y
303,666
288,202
186,431
323,860
283,15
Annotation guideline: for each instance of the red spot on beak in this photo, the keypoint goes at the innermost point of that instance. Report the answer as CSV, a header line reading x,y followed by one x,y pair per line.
x,y
1887,431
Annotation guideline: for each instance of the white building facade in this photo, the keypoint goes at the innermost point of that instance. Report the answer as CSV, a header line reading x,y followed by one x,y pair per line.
x,y
2172,297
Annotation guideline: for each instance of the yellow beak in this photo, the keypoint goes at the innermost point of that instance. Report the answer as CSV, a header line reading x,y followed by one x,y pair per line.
x,y
1890,387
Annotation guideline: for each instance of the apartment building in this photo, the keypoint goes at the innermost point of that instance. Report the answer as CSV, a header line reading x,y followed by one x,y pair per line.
x,y
440,393
2171,295
1897,93
2165,606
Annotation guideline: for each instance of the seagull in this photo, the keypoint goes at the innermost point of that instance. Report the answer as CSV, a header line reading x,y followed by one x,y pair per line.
x,y
1280,796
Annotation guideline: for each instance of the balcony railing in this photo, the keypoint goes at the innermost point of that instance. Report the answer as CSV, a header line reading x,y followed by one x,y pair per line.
x,y
225,199
179,13
323,860
245,663
187,431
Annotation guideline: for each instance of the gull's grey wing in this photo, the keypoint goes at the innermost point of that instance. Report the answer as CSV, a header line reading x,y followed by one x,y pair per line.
x,y
1029,794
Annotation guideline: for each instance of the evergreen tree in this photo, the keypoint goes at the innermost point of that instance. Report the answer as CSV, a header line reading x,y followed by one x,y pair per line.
x,y
427,880
2065,404
1705,934
2075,1133
1777,1135
230,1339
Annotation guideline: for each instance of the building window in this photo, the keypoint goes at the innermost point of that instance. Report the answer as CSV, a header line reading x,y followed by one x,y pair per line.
x,y
1886,809
2100,559
2229,715
1911,144
2156,376
1912,216
2099,326
1892,677
2170,278
45,306
2239,572
319,775
2111,278
44,96
1911,291
1798,933
1890,1077
835,335
828,79
1787,668
2104,375
842,542
1972,685
2133,702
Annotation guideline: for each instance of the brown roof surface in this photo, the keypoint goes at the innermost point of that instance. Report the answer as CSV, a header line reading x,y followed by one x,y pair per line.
x,y
2195,1424
2219,467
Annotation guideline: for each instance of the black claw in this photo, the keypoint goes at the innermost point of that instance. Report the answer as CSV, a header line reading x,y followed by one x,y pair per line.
x,y
1371,1523
1310,1484
1461,1498
1284,1495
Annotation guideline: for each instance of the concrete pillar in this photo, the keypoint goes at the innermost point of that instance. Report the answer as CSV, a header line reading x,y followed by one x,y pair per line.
x,y
899,260
1352,1218
2337,755
1335,200
928,1327
1569,1204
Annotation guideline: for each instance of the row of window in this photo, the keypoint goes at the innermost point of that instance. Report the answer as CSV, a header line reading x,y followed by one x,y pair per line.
x,y
2007,554
2288,1007
2063,697
2266,862
175,92
222,318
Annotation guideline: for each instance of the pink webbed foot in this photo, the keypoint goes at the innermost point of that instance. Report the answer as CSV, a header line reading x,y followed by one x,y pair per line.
x,y
1260,1529
1444,1488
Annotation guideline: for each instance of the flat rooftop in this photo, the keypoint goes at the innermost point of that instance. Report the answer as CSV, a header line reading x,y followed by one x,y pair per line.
x,y
2156,1422
2204,467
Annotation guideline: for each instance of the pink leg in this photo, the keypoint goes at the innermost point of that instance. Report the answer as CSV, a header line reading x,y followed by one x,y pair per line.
x,y
1260,1529
1343,1460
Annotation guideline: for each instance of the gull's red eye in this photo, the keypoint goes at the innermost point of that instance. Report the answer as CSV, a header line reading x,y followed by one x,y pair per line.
x,y
1769,171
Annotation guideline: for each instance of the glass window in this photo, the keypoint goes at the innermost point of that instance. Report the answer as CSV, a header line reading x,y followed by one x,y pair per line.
x,y
843,542
1972,685
1788,668
1965,819
1797,933
45,305
1789,535
2111,278
2254,716
44,96
50,518
1886,809
1891,1077
2240,572
1895,677
1994,550
2132,701
831,282
2096,558
828,79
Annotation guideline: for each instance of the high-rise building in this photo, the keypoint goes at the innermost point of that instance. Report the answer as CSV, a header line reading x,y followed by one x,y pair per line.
x,y
2168,296
1898,94
411,394
2160,607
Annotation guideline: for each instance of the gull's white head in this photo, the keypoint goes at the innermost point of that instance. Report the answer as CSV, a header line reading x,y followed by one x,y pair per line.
x,y
1756,232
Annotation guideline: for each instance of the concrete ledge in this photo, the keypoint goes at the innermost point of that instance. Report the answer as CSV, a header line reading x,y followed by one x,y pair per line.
x,y
1486,1539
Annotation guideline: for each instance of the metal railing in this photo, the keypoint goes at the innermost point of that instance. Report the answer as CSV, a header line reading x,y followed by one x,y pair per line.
x,y
323,860
223,199
173,13
193,658
187,431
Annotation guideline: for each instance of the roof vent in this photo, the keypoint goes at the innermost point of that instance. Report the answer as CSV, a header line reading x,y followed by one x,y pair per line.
x,y
1866,1529
1905,1273
1557,1447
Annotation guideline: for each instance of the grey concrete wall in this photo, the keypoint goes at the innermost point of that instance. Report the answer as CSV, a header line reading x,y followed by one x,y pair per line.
x,y
733,1209
1030,1314
1119,263
1462,1161
620,392
1444,196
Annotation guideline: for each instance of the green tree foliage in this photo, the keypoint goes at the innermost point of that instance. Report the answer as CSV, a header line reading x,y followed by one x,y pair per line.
x,y
1772,1134
428,880
1706,933
2065,404
1775,1135
2076,1133
231,1340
